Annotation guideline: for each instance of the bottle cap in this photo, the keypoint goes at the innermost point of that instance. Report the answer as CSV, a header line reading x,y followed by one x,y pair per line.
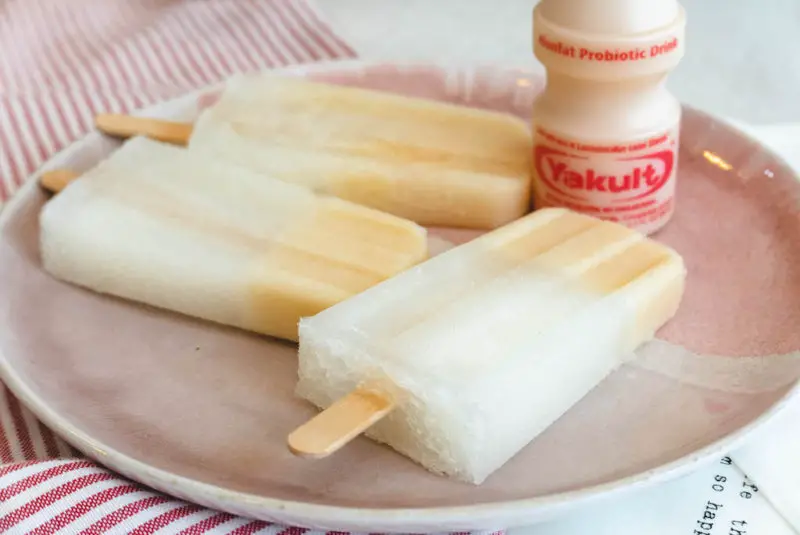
x,y
610,17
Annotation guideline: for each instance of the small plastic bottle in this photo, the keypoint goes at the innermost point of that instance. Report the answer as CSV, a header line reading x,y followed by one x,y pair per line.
x,y
606,128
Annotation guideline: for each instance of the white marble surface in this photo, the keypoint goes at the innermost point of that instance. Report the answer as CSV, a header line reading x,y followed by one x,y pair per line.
x,y
742,61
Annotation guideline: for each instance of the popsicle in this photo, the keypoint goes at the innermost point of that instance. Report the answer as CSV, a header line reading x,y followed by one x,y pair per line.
x,y
461,361
181,231
434,163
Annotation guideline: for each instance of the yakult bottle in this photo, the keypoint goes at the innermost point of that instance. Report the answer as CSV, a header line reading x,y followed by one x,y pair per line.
x,y
605,128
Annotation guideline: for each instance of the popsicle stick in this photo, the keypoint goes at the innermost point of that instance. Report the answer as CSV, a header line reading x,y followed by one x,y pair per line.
x,y
125,126
56,180
340,423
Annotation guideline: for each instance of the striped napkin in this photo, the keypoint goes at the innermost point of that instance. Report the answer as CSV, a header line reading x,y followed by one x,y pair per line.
x,y
61,63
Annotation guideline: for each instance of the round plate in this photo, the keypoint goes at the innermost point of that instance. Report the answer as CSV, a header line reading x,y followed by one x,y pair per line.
x,y
202,412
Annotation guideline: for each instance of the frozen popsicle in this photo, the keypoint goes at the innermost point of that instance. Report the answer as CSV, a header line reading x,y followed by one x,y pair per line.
x,y
434,163
461,361
177,230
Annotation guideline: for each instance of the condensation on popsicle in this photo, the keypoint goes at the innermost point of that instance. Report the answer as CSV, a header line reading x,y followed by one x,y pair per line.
x,y
477,351
434,163
156,224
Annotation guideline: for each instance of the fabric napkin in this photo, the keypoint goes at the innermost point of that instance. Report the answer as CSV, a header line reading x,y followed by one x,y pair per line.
x,y
74,496
61,63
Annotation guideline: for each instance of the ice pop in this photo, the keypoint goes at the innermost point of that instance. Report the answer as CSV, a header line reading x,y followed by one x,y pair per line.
x,y
434,163
157,224
475,352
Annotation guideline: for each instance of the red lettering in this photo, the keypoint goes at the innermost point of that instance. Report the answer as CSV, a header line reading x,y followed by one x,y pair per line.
x,y
637,178
625,190
612,55
573,179
615,185
549,45
556,168
650,176
664,48
557,47
591,181
595,182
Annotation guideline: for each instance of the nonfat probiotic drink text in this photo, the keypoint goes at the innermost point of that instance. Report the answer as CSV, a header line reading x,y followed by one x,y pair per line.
x,y
606,128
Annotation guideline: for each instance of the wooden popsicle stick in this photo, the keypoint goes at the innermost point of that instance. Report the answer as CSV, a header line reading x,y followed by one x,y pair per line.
x,y
125,126
56,180
340,423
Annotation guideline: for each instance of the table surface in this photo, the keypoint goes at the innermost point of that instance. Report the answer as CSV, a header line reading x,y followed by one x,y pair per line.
x,y
741,60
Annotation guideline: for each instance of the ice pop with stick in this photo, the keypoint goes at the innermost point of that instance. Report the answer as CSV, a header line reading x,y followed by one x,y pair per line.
x,y
461,361
157,224
431,162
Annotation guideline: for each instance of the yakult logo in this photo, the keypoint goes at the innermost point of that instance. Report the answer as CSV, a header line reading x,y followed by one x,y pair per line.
x,y
620,180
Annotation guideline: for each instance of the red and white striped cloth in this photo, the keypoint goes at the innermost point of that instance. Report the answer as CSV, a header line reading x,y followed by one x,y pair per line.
x,y
78,497
61,63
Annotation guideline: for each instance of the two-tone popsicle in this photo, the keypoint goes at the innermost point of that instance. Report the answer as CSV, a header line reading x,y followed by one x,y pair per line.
x,y
461,361
435,163
182,231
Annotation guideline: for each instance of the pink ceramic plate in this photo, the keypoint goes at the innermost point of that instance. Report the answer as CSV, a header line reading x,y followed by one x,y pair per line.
x,y
202,412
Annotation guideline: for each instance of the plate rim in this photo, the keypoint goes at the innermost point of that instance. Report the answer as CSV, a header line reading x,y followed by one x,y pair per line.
x,y
486,515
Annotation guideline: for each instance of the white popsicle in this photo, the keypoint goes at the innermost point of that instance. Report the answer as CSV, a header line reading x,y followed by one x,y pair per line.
x,y
434,163
483,347
178,230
